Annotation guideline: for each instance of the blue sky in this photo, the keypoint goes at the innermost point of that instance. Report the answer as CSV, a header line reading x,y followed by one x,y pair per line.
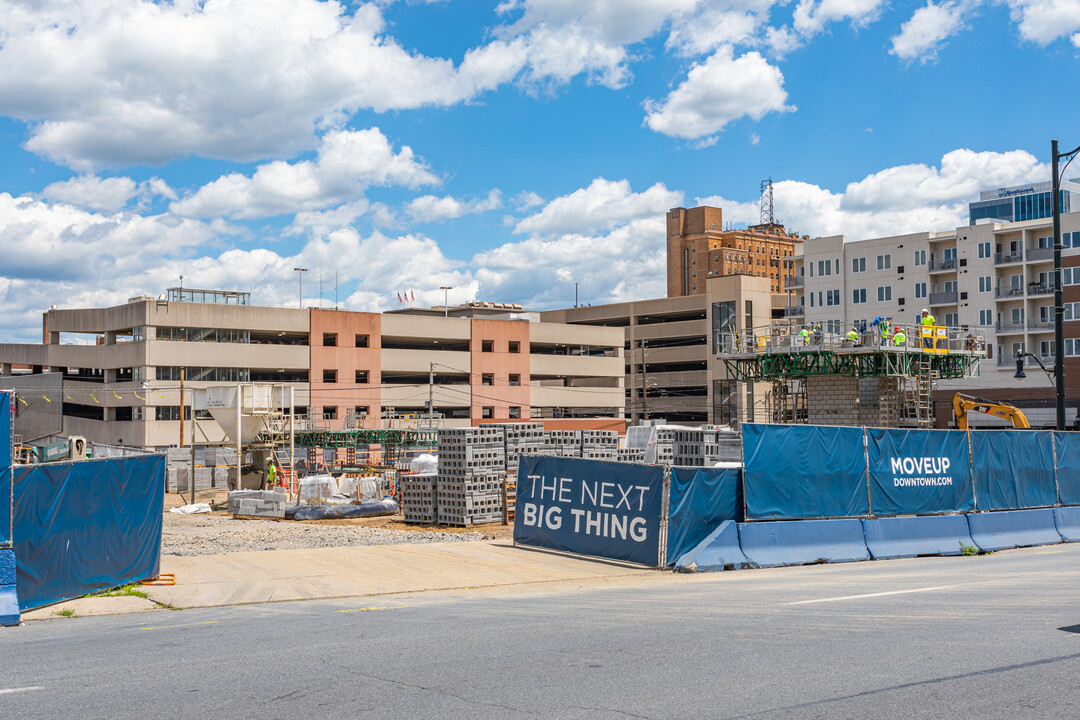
x,y
505,149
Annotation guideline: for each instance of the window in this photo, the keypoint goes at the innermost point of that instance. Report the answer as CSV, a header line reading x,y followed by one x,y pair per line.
x,y
487,379
984,250
884,292
950,254
950,286
1072,347
515,379
952,319
920,258
858,265
858,296
986,317
515,346
1017,316
171,412
515,412
832,297
329,339
1046,314
884,262
920,290
487,412
986,284
811,269
487,346
836,265
811,299
361,377
1072,311
1046,348
329,412
361,341
361,410
1070,276
329,376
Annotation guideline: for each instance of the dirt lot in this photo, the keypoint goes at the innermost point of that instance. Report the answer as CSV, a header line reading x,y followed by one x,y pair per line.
x,y
218,532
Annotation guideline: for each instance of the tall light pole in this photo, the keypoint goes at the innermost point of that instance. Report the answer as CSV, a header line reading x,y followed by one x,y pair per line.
x,y
1059,308
446,299
300,274
575,294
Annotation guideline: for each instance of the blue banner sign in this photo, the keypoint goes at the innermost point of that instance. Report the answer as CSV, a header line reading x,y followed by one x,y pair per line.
x,y
5,468
1013,469
1067,451
919,472
700,499
590,507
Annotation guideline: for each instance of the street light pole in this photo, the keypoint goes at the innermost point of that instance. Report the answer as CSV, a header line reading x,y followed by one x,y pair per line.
x,y
1059,307
446,299
300,274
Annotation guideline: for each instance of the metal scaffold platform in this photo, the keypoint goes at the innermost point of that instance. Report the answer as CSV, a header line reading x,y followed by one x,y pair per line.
x,y
366,436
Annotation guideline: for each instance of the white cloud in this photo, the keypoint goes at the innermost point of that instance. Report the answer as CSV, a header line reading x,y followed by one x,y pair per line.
x,y
1044,21
812,16
716,24
893,201
346,164
602,205
922,35
430,208
527,199
122,82
107,195
717,91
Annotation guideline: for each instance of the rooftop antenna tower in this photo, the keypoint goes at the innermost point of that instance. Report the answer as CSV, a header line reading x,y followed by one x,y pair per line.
x,y
767,217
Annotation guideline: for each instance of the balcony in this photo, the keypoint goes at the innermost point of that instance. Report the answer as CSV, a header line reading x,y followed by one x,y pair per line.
x,y
794,281
1040,289
1008,258
1010,328
1016,293
943,298
1041,325
795,311
1036,254
942,265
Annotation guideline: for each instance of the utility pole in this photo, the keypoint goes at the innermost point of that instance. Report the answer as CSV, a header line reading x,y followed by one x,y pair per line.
x,y
430,393
182,407
575,295
300,274
446,299
1059,308
192,443
644,387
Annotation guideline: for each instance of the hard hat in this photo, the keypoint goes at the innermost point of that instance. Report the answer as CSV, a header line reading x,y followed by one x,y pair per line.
x,y
926,311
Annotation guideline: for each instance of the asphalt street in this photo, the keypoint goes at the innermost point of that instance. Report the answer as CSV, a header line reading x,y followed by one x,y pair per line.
x,y
990,637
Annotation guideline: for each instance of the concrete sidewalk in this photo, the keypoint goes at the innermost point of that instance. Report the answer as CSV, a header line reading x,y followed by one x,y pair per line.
x,y
355,571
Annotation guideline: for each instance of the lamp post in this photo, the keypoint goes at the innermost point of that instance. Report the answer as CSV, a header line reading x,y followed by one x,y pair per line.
x,y
446,299
1059,308
300,274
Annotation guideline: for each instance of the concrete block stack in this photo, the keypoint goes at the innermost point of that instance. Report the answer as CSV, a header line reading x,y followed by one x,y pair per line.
x,y
564,443
257,503
527,437
215,467
665,445
599,444
419,498
178,479
472,468
220,457
631,455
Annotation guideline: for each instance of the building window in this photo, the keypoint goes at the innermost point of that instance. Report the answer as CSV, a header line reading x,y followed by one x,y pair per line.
x,y
952,320
487,412
986,318
515,412
361,341
329,339
884,292
950,286
361,377
858,265
1072,347
329,376
487,346
832,297
514,346
1070,276
836,265
858,296
487,379
920,290
329,412
984,250
1072,311
361,411
515,379
986,283
884,262
171,412
920,258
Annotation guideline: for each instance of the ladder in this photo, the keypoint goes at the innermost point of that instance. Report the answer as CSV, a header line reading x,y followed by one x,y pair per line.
x,y
924,393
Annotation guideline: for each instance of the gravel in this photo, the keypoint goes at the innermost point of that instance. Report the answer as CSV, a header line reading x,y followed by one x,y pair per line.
x,y
217,534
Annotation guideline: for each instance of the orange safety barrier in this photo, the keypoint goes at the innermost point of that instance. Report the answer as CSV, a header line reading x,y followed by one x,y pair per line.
x,y
161,580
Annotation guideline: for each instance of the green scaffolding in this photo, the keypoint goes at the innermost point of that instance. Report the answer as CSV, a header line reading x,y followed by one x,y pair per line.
x,y
331,439
868,363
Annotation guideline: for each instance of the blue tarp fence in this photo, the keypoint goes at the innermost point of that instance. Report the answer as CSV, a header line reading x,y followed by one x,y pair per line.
x,y
6,409
807,472
700,499
86,526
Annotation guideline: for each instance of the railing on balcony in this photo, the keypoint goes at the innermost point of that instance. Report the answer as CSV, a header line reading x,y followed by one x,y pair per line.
x,y
1010,327
942,265
943,298
795,311
1047,325
1008,258
1009,292
1040,254
1040,289
794,281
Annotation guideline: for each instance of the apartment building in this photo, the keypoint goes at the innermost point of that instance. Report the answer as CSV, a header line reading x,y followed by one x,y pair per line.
x,y
992,279
671,367
113,374
698,248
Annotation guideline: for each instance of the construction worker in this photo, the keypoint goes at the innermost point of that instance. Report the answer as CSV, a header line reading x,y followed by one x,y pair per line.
x,y
899,338
852,336
884,327
971,343
805,334
269,475
927,322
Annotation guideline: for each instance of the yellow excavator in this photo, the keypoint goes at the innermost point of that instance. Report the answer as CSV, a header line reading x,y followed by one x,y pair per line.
x,y
963,404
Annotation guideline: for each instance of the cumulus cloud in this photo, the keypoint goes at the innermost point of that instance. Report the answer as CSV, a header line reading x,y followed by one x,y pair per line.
x,y
346,164
893,201
108,195
430,208
600,206
1044,21
921,36
812,16
717,91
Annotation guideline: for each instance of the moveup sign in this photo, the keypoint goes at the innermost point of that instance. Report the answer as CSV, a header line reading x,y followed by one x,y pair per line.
x,y
590,507
919,471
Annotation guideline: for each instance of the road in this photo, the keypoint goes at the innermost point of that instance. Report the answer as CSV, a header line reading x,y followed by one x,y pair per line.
x,y
988,637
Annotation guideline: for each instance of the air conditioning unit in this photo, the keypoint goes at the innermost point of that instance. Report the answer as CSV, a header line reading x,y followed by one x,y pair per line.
x,y
77,444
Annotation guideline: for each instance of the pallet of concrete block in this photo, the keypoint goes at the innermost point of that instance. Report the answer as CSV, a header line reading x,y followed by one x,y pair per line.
x,y
599,444
476,436
179,479
471,510
419,496
522,438
631,455
565,443
220,456
257,503
469,461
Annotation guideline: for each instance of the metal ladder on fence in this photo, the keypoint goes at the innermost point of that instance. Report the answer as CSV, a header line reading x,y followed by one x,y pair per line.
x,y
924,392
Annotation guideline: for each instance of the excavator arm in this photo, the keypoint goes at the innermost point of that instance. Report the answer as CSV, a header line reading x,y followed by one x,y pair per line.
x,y
964,404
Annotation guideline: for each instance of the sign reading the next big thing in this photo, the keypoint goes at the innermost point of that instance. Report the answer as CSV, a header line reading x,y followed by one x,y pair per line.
x,y
591,507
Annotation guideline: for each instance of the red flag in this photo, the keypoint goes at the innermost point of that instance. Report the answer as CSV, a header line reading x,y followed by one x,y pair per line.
x,y
413,299
399,297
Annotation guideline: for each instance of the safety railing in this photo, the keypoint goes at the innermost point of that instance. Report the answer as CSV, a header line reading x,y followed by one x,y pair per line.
x,y
791,337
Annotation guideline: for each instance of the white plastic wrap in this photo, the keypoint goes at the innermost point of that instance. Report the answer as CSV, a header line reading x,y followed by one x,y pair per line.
x,y
316,487
424,464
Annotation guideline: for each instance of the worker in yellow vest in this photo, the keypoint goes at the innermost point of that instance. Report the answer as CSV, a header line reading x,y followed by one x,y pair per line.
x,y
899,338
927,321
852,337
805,334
